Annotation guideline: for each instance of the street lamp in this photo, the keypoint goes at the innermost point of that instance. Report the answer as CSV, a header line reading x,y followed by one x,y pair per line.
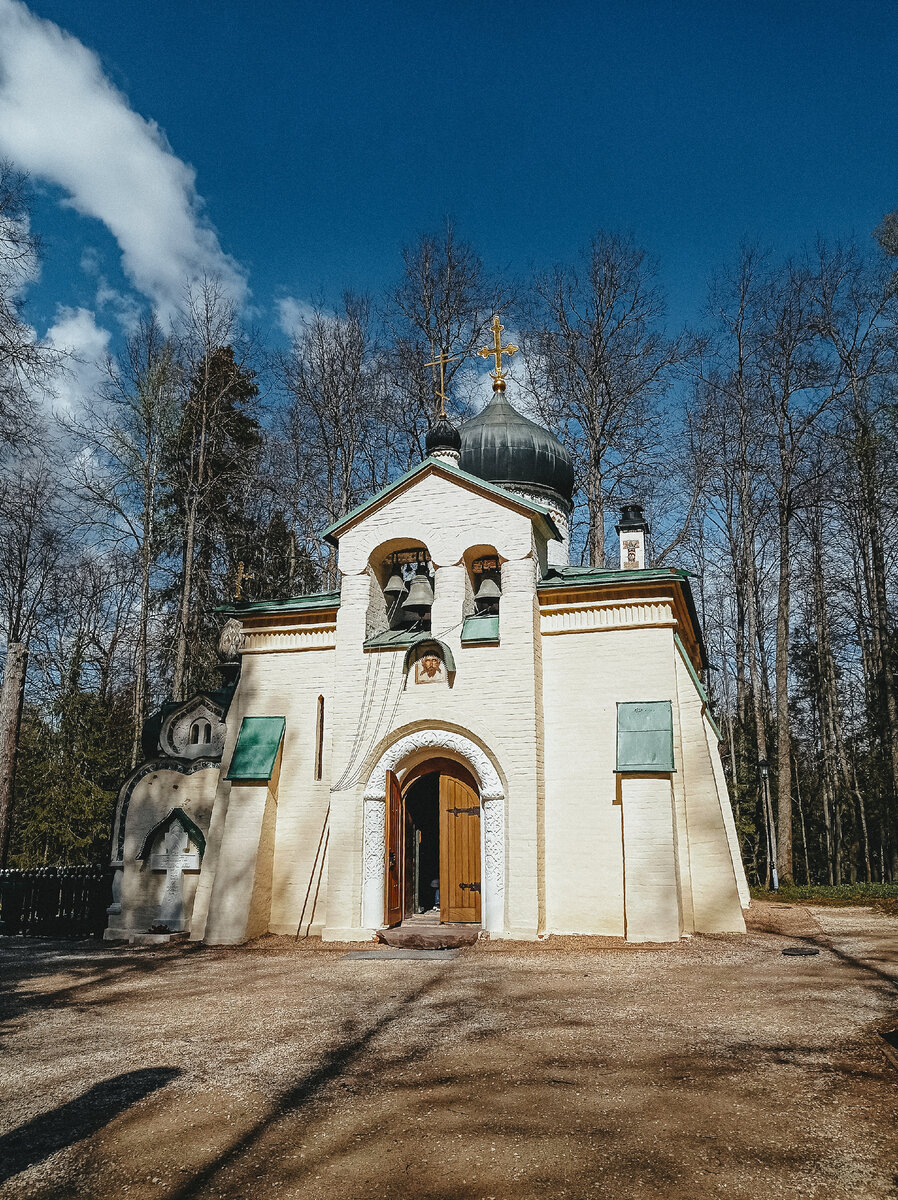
x,y
771,844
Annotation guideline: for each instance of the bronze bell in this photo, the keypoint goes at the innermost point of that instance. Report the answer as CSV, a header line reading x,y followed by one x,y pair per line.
x,y
420,594
489,592
395,585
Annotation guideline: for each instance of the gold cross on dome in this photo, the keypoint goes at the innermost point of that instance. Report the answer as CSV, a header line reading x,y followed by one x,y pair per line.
x,y
242,576
496,351
440,361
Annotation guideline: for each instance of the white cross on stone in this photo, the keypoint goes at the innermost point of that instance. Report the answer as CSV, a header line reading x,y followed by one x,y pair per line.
x,y
175,860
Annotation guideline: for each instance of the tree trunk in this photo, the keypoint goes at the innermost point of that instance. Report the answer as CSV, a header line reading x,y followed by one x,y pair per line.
x,y
12,696
783,731
804,832
596,505
140,684
184,606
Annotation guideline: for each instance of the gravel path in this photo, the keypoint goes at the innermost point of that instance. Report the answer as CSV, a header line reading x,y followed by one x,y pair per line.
x,y
573,1067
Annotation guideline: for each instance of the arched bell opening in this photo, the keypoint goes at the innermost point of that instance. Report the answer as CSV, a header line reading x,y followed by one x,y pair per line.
x,y
484,568
433,860
405,574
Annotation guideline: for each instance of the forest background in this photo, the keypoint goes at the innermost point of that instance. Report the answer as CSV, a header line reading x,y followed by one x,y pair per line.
x,y
761,444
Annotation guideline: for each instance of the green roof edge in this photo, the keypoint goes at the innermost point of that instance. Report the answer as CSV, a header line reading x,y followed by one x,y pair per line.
x,y
699,686
292,604
599,575
430,462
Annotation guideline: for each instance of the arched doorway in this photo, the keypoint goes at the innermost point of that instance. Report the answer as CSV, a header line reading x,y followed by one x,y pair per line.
x,y
433,856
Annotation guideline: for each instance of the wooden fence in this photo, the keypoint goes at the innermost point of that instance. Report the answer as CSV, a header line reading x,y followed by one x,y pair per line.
x,y
55,901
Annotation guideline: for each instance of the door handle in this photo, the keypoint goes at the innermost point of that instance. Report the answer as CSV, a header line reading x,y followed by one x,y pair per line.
x,y
470,887
392,859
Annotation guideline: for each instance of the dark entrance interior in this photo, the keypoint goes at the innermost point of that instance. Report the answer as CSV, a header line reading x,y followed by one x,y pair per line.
x,y
422,846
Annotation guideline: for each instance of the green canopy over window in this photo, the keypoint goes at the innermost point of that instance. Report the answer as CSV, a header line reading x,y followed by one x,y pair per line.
x,y
257,748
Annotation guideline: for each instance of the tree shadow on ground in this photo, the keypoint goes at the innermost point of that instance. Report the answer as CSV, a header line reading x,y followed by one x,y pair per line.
x,y
25,964
69,1123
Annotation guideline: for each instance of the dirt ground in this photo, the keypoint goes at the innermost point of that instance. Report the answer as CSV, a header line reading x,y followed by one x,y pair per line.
x,y
574,1067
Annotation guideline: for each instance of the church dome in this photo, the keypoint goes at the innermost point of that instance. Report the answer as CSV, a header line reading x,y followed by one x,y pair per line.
x,y
442,436
502,445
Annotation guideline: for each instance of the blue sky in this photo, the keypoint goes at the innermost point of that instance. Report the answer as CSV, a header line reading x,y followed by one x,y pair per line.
x,y
297,146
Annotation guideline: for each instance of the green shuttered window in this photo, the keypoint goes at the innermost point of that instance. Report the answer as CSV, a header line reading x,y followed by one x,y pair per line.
x,y
645,736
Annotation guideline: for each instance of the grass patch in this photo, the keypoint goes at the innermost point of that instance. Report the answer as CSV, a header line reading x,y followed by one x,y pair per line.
x,y
883,896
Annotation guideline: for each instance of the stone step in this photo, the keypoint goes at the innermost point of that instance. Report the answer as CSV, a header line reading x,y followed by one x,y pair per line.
x,y
429,937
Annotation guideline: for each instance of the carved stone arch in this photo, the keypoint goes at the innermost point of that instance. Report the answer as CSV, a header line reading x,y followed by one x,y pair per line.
x,y
191,828
487,776
492,799
175,735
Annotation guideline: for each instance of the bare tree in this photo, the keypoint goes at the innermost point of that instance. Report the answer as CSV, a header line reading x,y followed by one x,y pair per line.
x,y
117,470
856,315
601,364
214,437
334,431
796,388
27,366
32,545
442,305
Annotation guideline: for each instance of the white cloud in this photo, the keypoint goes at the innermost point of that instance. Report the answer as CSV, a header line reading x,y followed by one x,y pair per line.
x,y
76,331
63,121
125,306
292,313
90,260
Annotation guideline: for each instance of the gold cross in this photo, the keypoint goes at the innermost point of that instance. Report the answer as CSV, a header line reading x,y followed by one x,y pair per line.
x,y
440,361
241,576
496,352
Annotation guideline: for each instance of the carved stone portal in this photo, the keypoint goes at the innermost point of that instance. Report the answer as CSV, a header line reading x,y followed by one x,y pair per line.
x,y
492,824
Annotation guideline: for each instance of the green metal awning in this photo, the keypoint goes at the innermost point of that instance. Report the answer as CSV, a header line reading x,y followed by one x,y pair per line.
x,y
480,629
391,639
645,736
257,748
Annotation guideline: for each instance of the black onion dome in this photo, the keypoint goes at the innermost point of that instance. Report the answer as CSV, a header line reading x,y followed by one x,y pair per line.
x,y
442,436
502,445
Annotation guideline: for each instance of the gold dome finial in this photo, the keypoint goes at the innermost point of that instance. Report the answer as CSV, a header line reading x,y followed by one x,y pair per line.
x,y
496,351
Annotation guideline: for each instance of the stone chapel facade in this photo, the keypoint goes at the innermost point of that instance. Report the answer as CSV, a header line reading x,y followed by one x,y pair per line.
x,y
471,731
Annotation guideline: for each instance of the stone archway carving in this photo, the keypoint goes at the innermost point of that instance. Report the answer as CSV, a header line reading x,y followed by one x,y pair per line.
x,y
492,798
435,739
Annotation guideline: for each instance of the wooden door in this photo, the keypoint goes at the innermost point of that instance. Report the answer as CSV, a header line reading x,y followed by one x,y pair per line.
x,y
459,851
393,857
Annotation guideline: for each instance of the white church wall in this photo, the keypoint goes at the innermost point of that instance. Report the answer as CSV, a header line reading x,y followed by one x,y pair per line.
x,y
729,820
299,885
240,906
715,892
282,683
446,516
492,697
651,882
585,675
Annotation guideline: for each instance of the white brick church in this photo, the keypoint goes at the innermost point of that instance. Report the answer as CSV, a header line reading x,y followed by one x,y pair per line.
x,y
470,732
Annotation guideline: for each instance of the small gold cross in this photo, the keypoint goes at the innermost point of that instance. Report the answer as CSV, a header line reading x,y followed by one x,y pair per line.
x,y
241,576
496,351
440,361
